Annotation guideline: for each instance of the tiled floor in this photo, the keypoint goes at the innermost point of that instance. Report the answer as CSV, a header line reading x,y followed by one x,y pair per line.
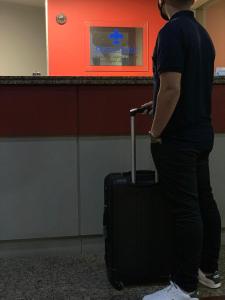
x,y
71,278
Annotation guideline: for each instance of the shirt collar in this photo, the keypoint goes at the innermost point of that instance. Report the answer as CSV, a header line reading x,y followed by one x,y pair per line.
x,y
183,13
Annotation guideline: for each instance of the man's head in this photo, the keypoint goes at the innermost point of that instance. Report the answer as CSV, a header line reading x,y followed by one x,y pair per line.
x,y
169,7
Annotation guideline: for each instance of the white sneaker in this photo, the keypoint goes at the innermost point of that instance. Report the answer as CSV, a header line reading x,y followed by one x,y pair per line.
x,y
172,292
210,280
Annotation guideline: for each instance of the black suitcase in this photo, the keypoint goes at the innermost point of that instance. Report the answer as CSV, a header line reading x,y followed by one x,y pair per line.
x,y
137,226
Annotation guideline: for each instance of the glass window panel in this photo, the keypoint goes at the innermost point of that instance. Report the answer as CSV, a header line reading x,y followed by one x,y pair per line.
x,y
116,46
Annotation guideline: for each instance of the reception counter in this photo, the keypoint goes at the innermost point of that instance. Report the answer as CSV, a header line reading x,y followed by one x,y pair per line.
x,y
60,136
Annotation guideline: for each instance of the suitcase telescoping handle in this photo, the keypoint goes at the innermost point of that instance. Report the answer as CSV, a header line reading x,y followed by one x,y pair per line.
x,y
133,113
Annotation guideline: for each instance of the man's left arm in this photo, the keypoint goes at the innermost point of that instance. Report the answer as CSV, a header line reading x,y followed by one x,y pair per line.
x,y
170,67
168,96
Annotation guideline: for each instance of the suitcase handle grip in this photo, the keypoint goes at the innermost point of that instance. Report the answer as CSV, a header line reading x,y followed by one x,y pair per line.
x,y
139,110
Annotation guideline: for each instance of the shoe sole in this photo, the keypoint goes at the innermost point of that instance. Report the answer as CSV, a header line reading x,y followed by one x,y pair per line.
x,y
208,283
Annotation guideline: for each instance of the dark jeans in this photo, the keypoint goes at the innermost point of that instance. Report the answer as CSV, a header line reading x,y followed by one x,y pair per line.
x,y
184,177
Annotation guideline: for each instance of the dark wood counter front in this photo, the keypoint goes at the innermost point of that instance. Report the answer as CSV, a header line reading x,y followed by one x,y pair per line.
x,y
72,106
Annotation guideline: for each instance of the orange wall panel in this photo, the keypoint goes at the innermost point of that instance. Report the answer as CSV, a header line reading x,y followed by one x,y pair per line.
x,y
67,44
215,24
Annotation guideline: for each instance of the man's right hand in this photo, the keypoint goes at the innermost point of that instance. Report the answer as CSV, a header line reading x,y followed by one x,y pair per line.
x,y
149,108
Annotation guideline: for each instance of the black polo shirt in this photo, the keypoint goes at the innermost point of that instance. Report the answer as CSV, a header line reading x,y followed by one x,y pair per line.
x,y
184,46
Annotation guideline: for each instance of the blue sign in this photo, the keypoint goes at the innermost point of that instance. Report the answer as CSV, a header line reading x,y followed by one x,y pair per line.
x,y
116,37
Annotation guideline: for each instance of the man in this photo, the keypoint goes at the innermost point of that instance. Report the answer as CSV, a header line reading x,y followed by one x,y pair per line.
x,y
182,139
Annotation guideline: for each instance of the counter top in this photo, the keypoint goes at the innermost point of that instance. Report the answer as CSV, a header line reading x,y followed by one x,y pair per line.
x,y
74,80
82,80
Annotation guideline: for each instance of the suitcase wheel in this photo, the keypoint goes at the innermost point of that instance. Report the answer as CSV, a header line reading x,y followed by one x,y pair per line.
x,y
118,285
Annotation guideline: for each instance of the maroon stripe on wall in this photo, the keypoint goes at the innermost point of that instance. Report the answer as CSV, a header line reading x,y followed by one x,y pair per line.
x,y
218,108
81,110
104,110
38,111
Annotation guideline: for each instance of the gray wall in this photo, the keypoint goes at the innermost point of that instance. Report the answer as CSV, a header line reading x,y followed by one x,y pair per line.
x,y
38,188
23,39
102,156
99,157
217,167
54,187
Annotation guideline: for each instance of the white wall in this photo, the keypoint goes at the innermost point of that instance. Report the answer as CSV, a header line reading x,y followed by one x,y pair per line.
x,y
38,188
100,156
23,40
217,169
54,187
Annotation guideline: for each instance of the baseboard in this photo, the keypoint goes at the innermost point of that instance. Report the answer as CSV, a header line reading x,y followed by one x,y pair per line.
x,y
223,237
52,247
86,245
